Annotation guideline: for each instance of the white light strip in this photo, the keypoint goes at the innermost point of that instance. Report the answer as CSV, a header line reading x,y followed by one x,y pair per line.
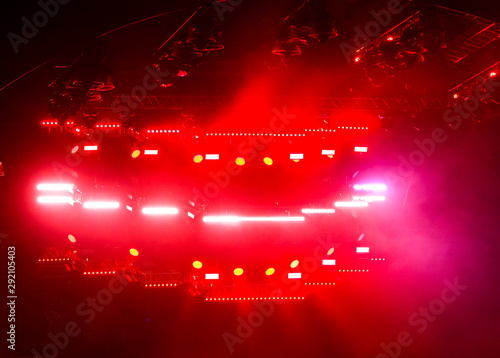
x,y
55,199
101,205
55,187
129,208
294,275
362,250
369,198
212,156
90,147
328,152
297,156
191,215
329,262
318,211
235,219
351,204
361,149
151,152
370,187
211,276
160,211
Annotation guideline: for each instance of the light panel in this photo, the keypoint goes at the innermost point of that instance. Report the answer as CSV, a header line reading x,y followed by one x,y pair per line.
x,y
212,156
297,156
294,275
328,262
151,152
361,149
211,276
369,198
328,152
89,147
362,250
160,211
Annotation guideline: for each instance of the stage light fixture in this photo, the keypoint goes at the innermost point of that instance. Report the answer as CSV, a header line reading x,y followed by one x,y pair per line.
x,y
294,275
270,271
135,153
360,149
198,158
71,238
294,263
362,250
240,161
330,251
328,262
134,252
236,219
238,271
211,276
197,264
268,161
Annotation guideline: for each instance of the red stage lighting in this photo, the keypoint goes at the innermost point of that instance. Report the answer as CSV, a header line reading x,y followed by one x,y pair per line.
x,y
134,252
198,158
238,271
268,161
197,264
135,153
270,271
240,161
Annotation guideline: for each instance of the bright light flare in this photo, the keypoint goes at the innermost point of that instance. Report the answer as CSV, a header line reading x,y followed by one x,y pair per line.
x,y
270,271
370,187
135,153
236,219
55,187
59,199
134,252
268,161
71,238
238,271
294,263
160,211
351,204
362,250
318,211
75,149
151,152
101,205
240,161
197,265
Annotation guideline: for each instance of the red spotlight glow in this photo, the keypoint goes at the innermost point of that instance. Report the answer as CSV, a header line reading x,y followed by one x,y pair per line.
x,y
270,271
238,271
456,95
268,161
197,265
134,252
390,38
493,73
71,238
357,59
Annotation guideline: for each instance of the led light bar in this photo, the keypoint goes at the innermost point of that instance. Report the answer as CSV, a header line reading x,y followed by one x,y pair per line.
x,y
129,208
59,199
151,152
294,275
212,156
362,250
328,152
361,149
318,211
351,204
235,219
369,198
211,276
297,156
259,298
329,262
101,205
55,187
89,147
160,211
370,187
191,215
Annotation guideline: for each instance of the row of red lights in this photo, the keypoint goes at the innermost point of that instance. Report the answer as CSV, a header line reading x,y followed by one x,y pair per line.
x,y
257,134
52,123
319,283
99,272
52,260
163,131
378,259
161,285
353,271
252,298
107,126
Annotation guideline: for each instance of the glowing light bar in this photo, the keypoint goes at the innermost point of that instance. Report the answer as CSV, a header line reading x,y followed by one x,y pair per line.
x,y
319,283
191,215
89,147
370,187
361,149
129,208
60,199
328,152
294,275
212,156
55,187
211,276
297,156
161,285
160,211
354,270
362,250
369,198
318,211
259,298
351,204
101,205
236,219
151,152
328,262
